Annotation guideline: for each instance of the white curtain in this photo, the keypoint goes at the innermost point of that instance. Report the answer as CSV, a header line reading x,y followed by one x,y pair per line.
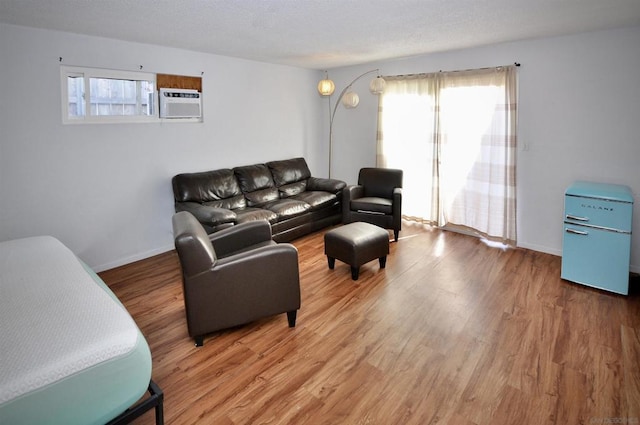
x,y
454,135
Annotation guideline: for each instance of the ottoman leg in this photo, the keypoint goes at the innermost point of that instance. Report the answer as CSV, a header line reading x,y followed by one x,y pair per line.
x,y
332,262
355,272
383,262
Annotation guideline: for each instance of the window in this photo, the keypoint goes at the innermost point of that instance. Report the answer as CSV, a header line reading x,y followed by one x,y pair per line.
x,y
101,95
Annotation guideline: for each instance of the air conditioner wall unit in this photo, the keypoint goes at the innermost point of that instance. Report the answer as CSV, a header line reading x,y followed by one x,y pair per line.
x,y
180,103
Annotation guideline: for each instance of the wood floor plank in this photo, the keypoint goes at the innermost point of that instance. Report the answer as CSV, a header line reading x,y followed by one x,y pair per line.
x,y
608,399
631,367
483,394
452,331
535,373
575,398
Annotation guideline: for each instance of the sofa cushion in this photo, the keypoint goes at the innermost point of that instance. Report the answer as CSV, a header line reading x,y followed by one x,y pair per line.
x,y
289,171
249,214
260,197
317,200
205,186
287,208
292,189
253,177
257,184
210,216
326,185
231,203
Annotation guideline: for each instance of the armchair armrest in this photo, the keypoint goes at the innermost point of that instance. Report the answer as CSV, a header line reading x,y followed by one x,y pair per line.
x,y
269,273
244,287
239,237
326,185
211,216
397,204
269,261
350,192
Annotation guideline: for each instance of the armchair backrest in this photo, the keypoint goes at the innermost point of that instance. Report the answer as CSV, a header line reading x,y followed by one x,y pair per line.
x,y
380,182
192,244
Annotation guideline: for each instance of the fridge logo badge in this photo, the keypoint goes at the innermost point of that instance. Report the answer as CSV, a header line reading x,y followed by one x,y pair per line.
x,y
596,207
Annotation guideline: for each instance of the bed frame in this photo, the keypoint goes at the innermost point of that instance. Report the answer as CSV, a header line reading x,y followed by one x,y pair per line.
x,y
155,400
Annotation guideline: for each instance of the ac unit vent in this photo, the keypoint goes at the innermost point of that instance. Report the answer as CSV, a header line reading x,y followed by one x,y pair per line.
x,y
180,103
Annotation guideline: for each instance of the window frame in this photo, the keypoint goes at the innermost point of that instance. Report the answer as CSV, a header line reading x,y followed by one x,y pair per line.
x,y
87,74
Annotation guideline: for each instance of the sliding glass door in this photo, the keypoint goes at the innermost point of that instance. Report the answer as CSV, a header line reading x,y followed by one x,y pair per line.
x,y
454,135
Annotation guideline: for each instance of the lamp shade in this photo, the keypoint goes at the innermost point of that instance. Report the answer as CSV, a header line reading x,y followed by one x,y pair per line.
x,y
326,87
350,99
377,85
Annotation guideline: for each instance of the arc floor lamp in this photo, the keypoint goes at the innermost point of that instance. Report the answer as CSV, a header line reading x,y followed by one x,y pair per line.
x,y
349,99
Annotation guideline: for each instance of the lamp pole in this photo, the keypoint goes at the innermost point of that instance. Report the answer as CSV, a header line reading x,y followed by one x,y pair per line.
x,y
335,108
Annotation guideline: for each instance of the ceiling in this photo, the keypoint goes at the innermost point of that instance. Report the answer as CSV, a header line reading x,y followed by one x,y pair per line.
x,y
321,34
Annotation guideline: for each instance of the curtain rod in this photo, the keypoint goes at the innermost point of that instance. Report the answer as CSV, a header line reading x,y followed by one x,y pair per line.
x,y
458,70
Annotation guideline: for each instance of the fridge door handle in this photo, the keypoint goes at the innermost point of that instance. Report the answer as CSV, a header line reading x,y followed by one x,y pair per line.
x,y
576,232
576,218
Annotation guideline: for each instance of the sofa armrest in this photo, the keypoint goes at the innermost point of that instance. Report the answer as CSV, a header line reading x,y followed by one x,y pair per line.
x,y
240,236
210,216
326,185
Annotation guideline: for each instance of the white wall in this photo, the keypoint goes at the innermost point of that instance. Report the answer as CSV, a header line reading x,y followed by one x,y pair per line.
x,y
104,190
579,116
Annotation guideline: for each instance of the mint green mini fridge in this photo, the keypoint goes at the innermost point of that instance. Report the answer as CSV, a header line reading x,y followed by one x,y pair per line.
x,y
596,245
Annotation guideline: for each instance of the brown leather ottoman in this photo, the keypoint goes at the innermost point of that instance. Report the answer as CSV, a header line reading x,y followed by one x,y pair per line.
x,y
355,244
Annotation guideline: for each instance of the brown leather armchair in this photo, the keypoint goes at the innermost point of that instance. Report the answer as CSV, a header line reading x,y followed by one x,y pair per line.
x,y
376,199
234,276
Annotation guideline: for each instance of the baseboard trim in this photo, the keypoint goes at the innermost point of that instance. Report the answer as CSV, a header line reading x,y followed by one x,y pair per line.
x,y
558,252
132,259
541,248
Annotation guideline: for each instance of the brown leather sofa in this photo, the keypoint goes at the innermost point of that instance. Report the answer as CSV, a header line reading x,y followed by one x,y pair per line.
x,y
234,276
282,192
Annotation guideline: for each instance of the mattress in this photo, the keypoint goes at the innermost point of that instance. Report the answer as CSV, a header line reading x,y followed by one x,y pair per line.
x,y
70,353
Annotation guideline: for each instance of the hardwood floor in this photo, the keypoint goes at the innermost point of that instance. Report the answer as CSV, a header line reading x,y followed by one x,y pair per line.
x,y
451,332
